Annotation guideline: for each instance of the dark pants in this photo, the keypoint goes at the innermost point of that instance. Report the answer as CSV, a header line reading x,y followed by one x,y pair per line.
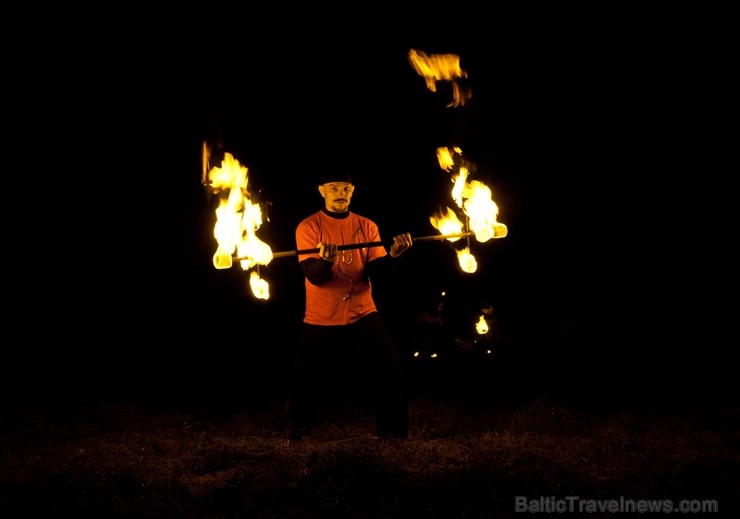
x,y
328,357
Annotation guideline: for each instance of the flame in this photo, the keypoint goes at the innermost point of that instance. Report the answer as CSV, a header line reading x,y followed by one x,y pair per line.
x,y
467,261
459,187
447,159
237,221
260,287
482,211
447,222
474,197
481,326
441,67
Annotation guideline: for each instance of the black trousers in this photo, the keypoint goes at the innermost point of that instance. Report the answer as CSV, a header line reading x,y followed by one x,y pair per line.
x,y
328,357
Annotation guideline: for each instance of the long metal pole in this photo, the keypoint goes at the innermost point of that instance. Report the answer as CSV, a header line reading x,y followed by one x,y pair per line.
x,y
438,237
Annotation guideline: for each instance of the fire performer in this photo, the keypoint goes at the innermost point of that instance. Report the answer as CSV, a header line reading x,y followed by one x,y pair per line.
x,y
341,317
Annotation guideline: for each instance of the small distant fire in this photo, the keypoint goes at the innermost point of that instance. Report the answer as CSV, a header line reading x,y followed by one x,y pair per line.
x,y
481,326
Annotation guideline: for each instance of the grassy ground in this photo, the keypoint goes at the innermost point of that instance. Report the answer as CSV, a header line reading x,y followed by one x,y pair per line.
x,y
465,458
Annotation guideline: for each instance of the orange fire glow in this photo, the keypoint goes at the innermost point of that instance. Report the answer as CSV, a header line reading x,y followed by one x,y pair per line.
x,y
441,67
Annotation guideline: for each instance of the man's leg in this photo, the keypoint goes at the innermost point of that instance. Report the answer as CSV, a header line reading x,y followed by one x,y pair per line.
x,y
301,405
387,379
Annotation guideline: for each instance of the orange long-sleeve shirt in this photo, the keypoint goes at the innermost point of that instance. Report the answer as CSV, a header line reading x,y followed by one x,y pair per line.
x,y
347,296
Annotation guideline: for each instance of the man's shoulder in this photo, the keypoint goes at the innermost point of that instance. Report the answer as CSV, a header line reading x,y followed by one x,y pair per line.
x,y
310,218
363,219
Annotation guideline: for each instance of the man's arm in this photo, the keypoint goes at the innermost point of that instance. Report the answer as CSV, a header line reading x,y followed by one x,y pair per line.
x,y
381,268
317,270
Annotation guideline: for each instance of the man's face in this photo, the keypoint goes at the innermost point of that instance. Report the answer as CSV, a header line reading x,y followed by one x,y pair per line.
x,y
337,196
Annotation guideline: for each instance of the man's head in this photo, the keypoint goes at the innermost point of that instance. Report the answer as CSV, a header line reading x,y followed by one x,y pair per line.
x,y
337,189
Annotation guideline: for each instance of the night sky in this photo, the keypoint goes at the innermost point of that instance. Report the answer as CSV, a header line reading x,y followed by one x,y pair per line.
x,y
582,131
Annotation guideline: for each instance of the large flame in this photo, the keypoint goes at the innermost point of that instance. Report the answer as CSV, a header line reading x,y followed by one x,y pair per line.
x,y
441,67
237,221
482,212
474,198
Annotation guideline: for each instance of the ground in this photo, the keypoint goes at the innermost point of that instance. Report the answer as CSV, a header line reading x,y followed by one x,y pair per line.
x,y
466,457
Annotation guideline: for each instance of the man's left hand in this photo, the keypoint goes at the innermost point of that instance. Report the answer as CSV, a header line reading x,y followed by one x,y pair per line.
x,y
400,244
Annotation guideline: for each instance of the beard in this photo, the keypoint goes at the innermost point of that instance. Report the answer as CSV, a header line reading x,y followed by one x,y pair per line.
x,y
340,207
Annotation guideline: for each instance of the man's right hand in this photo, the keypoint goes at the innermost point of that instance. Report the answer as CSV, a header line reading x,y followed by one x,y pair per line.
x,y
327,251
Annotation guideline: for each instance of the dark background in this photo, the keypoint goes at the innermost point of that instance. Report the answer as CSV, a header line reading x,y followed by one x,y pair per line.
x,y
595,133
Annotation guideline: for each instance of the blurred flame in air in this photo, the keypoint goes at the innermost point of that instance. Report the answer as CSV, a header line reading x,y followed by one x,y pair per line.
x,y
441,67
237,220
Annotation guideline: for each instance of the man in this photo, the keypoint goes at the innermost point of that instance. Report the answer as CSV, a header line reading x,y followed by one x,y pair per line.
x,y
341,318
